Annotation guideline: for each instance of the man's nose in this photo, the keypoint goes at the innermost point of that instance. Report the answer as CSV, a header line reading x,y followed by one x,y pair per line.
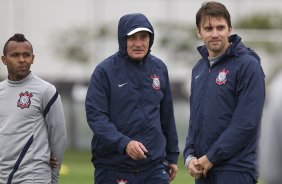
x,y
138,42
214,33
21,58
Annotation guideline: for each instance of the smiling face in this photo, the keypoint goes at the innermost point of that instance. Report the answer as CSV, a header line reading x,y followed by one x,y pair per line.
x,y
138,45
18,59
214,31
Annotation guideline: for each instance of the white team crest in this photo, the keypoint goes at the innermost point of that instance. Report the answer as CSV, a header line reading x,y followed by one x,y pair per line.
x,y
24,101
222,77
156,84
122,181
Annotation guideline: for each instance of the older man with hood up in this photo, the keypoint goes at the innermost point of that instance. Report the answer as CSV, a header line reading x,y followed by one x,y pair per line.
x,y
129,108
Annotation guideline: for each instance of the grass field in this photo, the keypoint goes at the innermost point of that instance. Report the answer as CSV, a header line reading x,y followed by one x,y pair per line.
x,y
78,169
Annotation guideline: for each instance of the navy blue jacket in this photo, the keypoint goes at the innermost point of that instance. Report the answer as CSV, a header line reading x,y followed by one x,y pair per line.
x,y
130,100
226,106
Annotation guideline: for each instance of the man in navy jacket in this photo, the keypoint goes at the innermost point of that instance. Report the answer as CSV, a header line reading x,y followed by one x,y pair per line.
x,y
226,104
129,108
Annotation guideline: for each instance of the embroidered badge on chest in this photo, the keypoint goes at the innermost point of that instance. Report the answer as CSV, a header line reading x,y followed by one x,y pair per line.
x,y
122,181
156,82
24,101
222,77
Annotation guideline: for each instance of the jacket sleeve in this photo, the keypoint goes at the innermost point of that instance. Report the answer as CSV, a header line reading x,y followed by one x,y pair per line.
x,y
168,124
55,122
244,126
97,113
190,143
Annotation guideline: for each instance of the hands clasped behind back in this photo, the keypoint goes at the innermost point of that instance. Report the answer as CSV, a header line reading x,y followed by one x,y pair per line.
x,y
136,150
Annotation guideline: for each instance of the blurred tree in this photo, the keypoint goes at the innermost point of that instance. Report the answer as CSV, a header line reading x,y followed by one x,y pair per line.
x,y
75,44
72,44
179,40
270,21
261,21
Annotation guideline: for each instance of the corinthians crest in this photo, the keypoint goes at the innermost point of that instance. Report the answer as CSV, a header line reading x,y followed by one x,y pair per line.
x,y
221,78
156,82
24,101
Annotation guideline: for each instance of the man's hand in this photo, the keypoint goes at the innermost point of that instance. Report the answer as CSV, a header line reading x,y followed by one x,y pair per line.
x,y
195,169
172,171
53,162
136,150
205,164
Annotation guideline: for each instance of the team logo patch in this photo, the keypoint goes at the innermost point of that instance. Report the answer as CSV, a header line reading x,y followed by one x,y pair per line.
x,y
222,77
122,181
156,82
24,100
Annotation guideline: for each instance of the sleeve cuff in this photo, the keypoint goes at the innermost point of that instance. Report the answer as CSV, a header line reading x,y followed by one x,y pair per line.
x,y
123,144
188,159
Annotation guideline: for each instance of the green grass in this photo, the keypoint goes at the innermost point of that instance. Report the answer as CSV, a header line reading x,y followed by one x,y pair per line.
x,y
78,169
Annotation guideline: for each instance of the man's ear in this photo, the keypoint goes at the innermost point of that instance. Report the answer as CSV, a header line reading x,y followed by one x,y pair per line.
x,y
33,56
198,33
4,60
230,31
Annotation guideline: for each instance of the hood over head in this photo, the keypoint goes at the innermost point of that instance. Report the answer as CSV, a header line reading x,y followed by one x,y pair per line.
x,y
238,47
130,24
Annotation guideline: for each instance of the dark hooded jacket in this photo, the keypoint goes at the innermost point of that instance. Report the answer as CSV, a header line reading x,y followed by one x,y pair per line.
x,y
131,100
226,106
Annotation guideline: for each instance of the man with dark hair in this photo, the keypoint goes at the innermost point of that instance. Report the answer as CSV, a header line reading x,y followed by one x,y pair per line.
x,y
226,104
32,123
129,108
